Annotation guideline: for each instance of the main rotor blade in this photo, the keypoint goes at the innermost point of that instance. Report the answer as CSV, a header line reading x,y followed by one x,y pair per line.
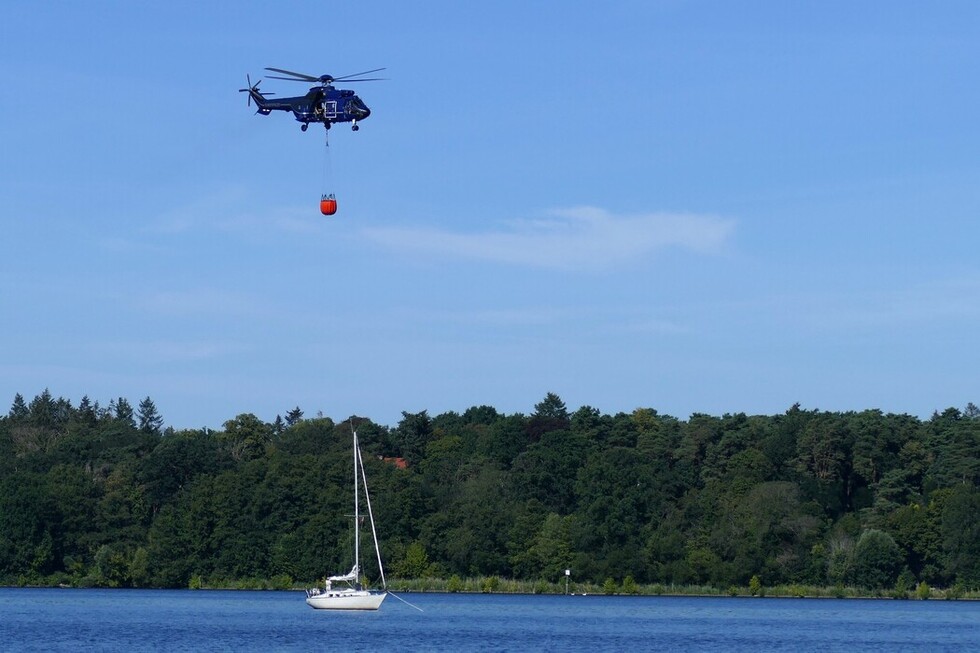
x,y
307,78
347,78
366,79
293,79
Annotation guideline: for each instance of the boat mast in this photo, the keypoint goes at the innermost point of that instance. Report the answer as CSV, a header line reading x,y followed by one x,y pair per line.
x,y
357,518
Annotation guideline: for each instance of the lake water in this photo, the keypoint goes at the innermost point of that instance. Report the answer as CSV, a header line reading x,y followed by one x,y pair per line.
x,y
184,620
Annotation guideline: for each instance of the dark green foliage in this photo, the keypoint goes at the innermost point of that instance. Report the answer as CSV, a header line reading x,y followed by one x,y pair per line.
x,y
960,528
104,497
413,435
547,469
549,415
123,411
246,437
877,560
18,410
415,564
294,416
551,407
176,461
149,419
28,514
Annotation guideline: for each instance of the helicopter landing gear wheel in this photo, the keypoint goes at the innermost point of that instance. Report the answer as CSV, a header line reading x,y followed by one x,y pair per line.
x,y
304,126
355,127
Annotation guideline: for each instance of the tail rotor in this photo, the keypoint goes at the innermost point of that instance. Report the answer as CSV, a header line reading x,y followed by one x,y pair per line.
x,y
252,88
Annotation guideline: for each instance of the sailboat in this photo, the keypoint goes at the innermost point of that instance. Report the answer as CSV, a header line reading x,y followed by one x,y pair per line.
x,y
352,595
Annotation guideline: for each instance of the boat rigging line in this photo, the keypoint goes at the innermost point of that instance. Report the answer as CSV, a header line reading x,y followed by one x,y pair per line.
x,y
406,602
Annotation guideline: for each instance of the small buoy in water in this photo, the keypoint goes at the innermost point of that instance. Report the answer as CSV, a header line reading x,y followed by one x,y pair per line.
x,y
328,204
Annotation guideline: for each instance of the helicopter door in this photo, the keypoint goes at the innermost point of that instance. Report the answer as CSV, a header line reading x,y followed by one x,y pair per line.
x,y
330,108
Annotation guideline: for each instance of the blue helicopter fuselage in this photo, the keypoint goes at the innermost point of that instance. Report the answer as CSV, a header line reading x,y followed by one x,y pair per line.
x,y
324,104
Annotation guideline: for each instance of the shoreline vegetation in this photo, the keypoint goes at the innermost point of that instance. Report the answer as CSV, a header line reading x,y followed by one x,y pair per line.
x,y
802,503
496,585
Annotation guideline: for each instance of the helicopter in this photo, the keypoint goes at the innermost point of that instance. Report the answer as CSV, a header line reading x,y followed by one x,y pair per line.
x,y
323,103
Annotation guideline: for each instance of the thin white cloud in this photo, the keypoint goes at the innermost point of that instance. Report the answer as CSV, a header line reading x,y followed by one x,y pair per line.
x,y
503,317
204,212
945,301
582,238
227,210
649,326
163,352
199,301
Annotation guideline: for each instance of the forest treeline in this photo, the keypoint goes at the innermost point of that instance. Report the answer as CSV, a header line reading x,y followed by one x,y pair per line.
x,y
103,496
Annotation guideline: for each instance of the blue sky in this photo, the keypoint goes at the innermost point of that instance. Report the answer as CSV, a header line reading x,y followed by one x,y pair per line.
x,y
691,206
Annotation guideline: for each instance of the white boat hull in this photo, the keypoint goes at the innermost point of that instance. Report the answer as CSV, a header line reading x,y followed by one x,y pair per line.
x,y
346,600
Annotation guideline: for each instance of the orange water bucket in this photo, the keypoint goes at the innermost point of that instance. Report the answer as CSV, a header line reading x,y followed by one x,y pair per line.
x,y
328,204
